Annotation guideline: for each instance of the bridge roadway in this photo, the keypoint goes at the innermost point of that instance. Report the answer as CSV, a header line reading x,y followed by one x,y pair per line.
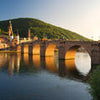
x,y
66,49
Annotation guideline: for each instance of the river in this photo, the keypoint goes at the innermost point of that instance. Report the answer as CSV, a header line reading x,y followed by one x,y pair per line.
x,y
31,77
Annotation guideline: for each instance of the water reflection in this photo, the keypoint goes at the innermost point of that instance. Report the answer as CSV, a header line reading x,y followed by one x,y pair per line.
x,y
17,62
71,68
14,62
28,63
51,64
83,63
70,65
36,61
31,78
26,58
3,59
11,64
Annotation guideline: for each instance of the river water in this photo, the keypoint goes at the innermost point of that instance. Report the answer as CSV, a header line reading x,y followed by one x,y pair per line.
x,y
24,77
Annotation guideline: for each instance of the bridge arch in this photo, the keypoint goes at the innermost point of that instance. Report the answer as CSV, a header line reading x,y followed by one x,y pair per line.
x,y
72,50
36,49
51,48
51,64
73,59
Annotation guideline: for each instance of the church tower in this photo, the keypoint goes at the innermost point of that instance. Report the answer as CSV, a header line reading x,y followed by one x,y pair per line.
x,y
10,29
11,37
29,34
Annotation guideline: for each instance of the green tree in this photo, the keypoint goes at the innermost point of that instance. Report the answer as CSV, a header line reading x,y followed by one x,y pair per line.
x,y
39,28
94,82
0,30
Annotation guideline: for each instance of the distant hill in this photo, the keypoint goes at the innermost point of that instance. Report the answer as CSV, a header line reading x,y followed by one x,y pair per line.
x,y
39,28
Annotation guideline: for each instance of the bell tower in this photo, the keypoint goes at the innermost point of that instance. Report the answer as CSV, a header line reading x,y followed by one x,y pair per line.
x,y
10,28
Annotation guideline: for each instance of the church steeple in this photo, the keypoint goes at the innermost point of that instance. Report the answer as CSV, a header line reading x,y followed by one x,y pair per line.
x,y
10,28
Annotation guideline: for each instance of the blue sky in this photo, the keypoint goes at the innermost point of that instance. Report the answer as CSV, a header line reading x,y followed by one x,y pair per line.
x,y
81,16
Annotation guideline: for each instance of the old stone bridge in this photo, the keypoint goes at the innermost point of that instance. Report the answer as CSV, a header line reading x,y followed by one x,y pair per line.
x,y
66,49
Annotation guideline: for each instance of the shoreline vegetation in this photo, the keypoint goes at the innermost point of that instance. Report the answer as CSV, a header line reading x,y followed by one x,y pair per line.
x,y
94,82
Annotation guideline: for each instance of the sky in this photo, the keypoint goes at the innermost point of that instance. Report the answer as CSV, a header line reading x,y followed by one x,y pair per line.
x,y
80,16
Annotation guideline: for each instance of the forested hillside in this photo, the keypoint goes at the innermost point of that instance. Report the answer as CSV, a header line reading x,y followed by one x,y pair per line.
x,y
38,28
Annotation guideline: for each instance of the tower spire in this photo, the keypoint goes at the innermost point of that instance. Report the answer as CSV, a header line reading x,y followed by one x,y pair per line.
x,y
10,28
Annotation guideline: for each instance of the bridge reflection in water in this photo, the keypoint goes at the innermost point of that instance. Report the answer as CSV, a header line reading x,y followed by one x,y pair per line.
x,y
36,49
18,63
51,64
36,61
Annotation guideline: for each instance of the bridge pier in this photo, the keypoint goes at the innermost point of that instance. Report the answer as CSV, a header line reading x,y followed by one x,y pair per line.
x,y
42,48
95,58
61,53
22,48
95,54
61,50
30,49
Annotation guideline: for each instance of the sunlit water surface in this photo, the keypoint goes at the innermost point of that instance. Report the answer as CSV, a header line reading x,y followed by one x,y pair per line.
x,y
24,77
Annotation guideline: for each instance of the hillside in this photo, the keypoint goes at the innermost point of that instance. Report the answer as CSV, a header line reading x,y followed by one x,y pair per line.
x,y
38,28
